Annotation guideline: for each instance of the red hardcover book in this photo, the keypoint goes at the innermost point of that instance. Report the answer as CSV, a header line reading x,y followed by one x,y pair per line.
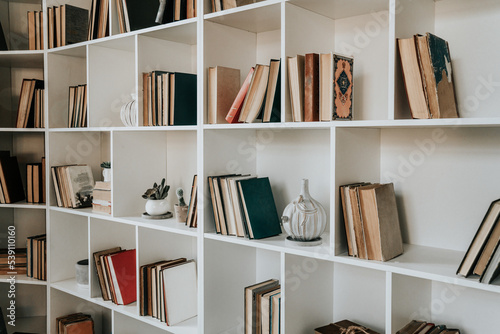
x,y
311,88
234,112
123,276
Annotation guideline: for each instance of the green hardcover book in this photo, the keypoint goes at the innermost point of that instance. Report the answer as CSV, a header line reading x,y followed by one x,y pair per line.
x,y
183,100
259,208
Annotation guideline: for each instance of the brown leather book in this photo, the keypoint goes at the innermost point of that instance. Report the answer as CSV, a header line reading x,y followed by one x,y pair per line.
x,y
311,88
344,326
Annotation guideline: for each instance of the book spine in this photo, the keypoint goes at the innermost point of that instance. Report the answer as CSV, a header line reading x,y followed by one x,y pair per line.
x,y
311,88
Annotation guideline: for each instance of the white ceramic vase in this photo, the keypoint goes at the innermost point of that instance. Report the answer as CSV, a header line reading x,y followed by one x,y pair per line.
x,y
304,219
156,207
106,174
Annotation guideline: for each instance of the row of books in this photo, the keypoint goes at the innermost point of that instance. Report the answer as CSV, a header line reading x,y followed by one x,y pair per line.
x,y
77,106
243,205
192,215
66,24
98,25
117,275
73,185
36,250
168,290
427,72
35,30
169,98
101,197
371,221
423,327
259,98
344,327
35,182
482,258
321,87
262,308
75,323
11,184
12,261
219,5
30,110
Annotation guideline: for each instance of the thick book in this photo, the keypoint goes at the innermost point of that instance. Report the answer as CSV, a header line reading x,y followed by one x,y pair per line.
x,y
325,86
343,86
311,87
180,291
436,70
81,184
183,99
265,310
3,40
223,87
143,13
255,95
478,243
259,208
10,180
272,105
235,110
26,106
123,276
74,24
352,220
252,313
342,327
413,326
380,221
296,84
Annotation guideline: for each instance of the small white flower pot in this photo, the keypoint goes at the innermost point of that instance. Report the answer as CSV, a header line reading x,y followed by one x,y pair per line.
x,y
156,207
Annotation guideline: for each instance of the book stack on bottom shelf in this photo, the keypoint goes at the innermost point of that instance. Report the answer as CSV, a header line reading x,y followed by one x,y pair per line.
x,y
12,260
101,201
423,327
75,323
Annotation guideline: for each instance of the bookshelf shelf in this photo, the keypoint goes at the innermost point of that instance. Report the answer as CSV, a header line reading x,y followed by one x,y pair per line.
x,y
441,168
22,279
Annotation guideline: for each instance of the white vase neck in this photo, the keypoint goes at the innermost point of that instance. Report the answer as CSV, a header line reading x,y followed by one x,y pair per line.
x,y
304,190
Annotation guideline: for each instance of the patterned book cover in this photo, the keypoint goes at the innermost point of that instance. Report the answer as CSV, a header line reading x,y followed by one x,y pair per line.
x,y
342,87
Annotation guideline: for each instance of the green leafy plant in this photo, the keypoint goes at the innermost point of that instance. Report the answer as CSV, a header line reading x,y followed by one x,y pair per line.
x,y
159,191
180,196
106,164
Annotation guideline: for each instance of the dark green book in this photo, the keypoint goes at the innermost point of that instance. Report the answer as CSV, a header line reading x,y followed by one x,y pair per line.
x,y
183,100
259,208
142,13
10,179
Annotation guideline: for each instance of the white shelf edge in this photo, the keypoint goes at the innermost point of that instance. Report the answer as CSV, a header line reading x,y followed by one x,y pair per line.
x,y
24,205
23,279
21,52
245,8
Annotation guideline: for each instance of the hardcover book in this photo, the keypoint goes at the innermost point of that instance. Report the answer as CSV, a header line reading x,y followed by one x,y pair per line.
x,y
81,185
143,13
234,112
10,180
272,104
183,99
252,313
311,87
296,82
123,276
74,24
3,40
223,87
344,326
343,86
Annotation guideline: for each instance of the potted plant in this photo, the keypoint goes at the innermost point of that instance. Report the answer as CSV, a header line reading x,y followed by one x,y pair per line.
x,y
106,171
156,199
181,209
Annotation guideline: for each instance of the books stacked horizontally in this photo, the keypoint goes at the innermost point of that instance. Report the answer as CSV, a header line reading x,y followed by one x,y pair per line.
x,y
243,205
321,87
342,327
73,185
35,30
11,185
35,182
168,290
427,72
117,275
77,106
192,215
67,24
371,221
259,98
101,198
422,327
218,5
483,256
36,249
75,323
169,98
13,261
262,308
30,111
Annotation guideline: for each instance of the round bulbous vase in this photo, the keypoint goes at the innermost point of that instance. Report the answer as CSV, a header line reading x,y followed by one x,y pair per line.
x,y
156,207
106,174
304,219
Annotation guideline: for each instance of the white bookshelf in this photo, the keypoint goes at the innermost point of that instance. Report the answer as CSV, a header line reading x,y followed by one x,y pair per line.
x,y
443,169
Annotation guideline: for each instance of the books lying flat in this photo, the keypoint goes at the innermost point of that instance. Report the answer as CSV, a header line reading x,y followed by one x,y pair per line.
x,y
74,324
223,87
343,326
11,185
423,327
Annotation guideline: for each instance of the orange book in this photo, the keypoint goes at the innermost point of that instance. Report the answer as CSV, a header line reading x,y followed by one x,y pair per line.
x,y
234,112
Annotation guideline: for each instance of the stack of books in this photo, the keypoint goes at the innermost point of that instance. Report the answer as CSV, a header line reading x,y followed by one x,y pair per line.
x,y
483,256
262,307
77,106
30,111
11,185
13,261
35,30
219,5
243,205
321,87
75,323
343,327
101,201
67,24
73,185
117,275
35,182
259,98
36,249
371,221
423,327
168,290
169,98
427,73
192,216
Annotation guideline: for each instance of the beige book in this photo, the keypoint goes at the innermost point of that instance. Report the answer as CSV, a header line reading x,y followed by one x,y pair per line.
x,y
223,86
296,82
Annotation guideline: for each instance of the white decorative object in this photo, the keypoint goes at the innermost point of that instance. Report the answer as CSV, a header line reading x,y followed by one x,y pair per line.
x,y
106,174
128,112
304,219
156,207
